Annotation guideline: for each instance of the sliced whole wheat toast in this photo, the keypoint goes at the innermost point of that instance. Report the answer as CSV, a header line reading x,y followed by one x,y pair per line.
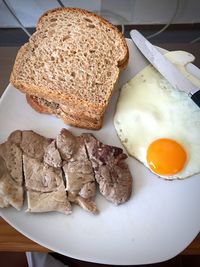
x,y
77,111
73,57
54,109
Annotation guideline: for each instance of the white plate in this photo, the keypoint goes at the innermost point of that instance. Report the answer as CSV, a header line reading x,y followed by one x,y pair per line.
x,y
157,223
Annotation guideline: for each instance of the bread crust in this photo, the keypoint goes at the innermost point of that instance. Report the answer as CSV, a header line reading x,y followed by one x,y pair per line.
x,y
67,118
70,120
35,105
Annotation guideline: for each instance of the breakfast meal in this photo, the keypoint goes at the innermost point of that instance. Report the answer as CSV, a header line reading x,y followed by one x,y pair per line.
x,y
70,66
54,173
158,124
55,179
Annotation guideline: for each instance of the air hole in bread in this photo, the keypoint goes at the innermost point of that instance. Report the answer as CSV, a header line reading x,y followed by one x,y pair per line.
x,y
53,24
53,19
52,58
88,20
91,26
108,73
65,37
92,51
73,74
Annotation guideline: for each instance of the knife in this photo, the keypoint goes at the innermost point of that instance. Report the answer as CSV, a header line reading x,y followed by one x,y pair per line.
x,y
165,67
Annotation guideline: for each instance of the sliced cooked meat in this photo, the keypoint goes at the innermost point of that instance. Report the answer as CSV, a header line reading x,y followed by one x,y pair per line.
x,y
15,137
66,144
87,204
45,187
42,161
88,190
72,196
12,156
115,183
34,144
77,169
39,176
77,174
51,201
11,173
111,172
4,203
11,192
52,156
43,175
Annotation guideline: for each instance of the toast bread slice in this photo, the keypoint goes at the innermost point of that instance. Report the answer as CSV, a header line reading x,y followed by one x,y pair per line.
x,y
79,112
73,57
52,108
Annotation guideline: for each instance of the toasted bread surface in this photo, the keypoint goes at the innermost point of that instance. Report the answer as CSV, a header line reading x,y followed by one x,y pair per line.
x,y
74,57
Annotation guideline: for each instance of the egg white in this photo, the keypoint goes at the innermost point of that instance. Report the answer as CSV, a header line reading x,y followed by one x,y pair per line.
x,y
149,108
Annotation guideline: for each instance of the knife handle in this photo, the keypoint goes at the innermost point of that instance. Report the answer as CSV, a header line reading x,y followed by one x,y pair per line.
x,y
196,98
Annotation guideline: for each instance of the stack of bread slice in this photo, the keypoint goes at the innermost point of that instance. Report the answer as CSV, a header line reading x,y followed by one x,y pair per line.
x,y
70,66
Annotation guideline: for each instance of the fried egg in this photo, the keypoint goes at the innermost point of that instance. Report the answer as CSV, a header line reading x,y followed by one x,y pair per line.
x,y
158,124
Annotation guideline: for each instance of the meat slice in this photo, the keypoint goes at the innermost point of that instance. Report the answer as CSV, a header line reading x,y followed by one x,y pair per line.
x,y
4,203
88,190
39,176
12,156
52,155
87,204
77,174
45,187
80,181
111,171
15,137
11,192
34,144
11,173
66,144
50,201
43,174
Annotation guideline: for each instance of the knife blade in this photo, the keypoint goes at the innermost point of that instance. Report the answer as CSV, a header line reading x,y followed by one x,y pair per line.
x,y
165,67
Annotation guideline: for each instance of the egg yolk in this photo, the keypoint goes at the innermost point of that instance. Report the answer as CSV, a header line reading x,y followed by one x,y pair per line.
x,y
166,156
